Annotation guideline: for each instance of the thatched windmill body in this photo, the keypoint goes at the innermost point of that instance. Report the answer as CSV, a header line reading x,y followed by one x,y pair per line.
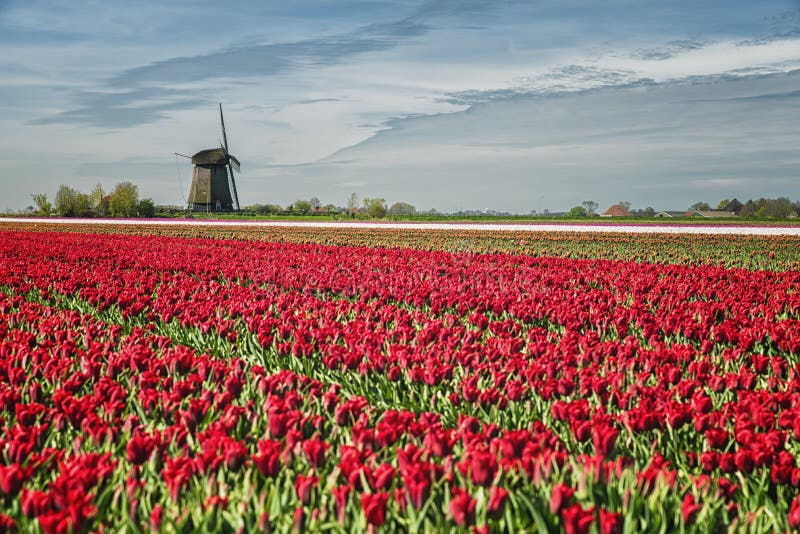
x,y
213,184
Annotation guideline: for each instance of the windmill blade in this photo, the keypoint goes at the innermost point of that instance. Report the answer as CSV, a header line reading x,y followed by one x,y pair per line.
x,y
235,163
231,159
224,135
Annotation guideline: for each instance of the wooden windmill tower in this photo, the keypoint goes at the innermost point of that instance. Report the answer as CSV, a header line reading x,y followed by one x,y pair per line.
x,y
213,185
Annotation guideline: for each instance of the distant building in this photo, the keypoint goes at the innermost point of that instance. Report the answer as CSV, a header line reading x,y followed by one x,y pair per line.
x,y
734,206
713,214
673,214
616,211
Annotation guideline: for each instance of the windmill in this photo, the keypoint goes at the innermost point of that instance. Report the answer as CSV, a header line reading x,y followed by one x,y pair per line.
x,y
213,184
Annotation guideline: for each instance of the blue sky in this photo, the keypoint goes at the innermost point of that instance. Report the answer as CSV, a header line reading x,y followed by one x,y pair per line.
x,y
441,103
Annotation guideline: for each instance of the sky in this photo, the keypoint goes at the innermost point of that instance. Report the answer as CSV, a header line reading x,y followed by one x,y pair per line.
x,y
508,105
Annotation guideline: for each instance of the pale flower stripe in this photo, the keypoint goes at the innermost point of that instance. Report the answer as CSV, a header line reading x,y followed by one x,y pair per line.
x,y
517,227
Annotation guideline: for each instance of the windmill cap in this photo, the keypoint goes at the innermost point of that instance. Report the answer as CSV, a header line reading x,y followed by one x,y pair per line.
x,y
212,156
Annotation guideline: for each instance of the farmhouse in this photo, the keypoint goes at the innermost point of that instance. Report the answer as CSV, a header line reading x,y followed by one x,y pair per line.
x,y
617,210
674,214
713,214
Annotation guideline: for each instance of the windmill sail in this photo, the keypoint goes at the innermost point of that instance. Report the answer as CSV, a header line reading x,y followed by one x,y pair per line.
x,y
230,158
235,164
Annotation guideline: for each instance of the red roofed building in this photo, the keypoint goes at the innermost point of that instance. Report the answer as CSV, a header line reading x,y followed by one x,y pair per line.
x,y
616,211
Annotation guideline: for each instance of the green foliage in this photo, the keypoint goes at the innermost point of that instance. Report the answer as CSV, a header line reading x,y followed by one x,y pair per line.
x,y
375,207
124,200
577,211
777,208
66,198
83,205
104,207
147,208
96,196
262,209
402,208
43,206
301,206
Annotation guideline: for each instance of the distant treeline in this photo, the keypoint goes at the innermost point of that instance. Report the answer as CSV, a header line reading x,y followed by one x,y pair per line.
x,y
123,201
777,208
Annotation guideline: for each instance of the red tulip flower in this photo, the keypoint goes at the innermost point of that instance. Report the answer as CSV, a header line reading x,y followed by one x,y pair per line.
x,y
462,508
374,507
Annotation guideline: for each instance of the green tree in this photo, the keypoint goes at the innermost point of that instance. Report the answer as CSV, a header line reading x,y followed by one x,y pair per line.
x,y
96,196
146,208
577,211
301,206
700,206
402,208
263,209
124,200
375,207
83,205
104,207
65,201
43,206
723,203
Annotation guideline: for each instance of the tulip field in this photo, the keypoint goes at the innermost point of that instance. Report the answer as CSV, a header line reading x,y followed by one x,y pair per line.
x,y
469,383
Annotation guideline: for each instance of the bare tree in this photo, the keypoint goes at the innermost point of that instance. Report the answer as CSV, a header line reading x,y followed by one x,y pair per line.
x,y
590,206
352,203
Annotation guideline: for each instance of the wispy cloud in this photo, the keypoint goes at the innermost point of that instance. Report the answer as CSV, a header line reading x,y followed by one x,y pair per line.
x,y
118,109
270,59
673,61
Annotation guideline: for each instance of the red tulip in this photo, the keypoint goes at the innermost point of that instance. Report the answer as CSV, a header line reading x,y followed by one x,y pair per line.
x,y
12,477
610,522
374,507
689,509
304,485
315,451
794,513
577,520
497,502
462,508
139,449
560,497
340,494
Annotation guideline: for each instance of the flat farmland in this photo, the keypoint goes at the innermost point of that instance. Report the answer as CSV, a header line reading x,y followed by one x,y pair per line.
x,y
242,377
